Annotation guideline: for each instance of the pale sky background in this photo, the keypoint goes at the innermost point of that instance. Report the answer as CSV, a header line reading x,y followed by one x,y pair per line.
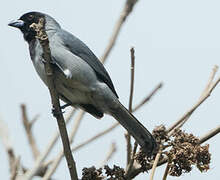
x,y
176,42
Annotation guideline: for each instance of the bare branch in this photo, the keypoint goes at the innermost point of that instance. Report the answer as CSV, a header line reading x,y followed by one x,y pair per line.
x,y
53,166
155,163
27,126
147,99
129,5
129,167
205,94
166,171
34,120
58,158
70,115
75,127
95,137
39,161
132,79
210,81
15,169
209,135
127,135
128,141
44,41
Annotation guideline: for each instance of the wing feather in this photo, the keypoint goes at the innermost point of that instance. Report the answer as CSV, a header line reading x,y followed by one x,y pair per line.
x,y
78,48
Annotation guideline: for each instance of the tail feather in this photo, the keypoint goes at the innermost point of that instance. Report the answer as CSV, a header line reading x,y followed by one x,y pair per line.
x,y
143,137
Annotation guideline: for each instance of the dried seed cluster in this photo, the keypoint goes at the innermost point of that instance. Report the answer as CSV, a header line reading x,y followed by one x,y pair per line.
x,y
92,173
186,152
115,173
160,134
182,149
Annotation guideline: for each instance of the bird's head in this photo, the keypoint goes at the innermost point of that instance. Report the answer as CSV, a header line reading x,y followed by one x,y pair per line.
x,y
26,20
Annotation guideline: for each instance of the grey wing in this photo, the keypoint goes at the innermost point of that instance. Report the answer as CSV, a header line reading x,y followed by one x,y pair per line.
x,y
78,48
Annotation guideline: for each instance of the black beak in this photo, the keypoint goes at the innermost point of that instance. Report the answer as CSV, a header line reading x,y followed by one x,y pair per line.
x,y
16,23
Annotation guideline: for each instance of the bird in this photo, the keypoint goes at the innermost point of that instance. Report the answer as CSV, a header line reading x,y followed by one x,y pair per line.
x,y
80,78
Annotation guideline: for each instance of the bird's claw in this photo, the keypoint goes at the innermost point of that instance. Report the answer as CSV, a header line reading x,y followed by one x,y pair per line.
x,y
55,113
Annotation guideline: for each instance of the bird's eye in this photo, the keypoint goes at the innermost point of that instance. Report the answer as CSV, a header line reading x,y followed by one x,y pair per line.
x,y
30,17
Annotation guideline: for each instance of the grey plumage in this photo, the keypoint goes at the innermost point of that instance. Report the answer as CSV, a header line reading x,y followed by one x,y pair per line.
x,y
80,77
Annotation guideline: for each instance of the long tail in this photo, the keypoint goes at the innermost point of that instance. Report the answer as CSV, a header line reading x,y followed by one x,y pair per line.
x,y
143,137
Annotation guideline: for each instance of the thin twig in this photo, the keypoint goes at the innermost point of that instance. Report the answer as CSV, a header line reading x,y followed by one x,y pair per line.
x,y
36,117
53,166
129,167
39,161
28,129
155,163
100,134
58,158
44,41
137,170
206,93
210,81
15,169
128,142
128,7
69,116
148,97
60,155
127,135
178,126
209,135
76,124
132,79
109,155
166,171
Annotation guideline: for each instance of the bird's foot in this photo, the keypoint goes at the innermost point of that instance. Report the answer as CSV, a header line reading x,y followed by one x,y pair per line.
x,y
56,113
